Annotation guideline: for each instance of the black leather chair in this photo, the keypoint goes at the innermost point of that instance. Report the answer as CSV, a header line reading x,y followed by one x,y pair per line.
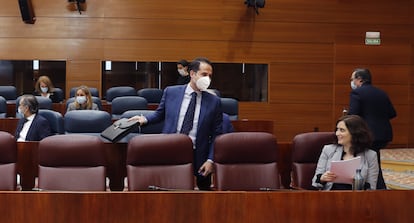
x,y
246,161
91,122
3,107
9,93
230,106
125,103
72,162
306,149
8,161
160,161
153,95
55,120
119,91
60,95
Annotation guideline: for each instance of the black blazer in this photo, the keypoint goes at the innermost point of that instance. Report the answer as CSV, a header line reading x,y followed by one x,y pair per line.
x,y
38,130
375,107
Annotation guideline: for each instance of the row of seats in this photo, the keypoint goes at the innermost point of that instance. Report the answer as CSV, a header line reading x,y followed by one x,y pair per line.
x,y
153,95
243,161
119,105
93,122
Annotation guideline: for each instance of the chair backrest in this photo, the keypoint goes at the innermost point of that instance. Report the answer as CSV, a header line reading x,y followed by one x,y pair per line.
x,y
246,161
230,106
60,95
95,100
8,92
8,160
72,162
160,160
44,102
94,92
154,128
55,120
3,107
119,91
306,149
86,121
125,103
153,95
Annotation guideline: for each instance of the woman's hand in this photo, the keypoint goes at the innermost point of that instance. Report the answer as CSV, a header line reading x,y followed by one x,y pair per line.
x,y
328,176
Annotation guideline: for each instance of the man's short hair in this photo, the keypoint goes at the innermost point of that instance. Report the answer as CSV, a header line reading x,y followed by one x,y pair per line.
x,y
364,74
184,63
31,102
195,64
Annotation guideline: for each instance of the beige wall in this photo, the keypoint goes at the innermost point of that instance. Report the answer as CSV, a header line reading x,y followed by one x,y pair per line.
x,y
311,48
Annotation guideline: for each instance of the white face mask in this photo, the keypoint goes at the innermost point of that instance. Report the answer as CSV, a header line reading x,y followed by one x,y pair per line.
x,y
81,99
182,72
353,85
203,83
20,111
44,89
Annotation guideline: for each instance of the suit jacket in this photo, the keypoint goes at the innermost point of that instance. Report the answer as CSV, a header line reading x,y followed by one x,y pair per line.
x,y
209,121
369,165
38,130
375,107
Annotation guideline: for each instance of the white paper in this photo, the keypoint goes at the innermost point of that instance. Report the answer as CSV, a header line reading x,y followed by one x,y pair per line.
x,y
345,169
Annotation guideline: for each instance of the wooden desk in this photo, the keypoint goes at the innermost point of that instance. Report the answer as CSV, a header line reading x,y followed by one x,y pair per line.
x,y
207,207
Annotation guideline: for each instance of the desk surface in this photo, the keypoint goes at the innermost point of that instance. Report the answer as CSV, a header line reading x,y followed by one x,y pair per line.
x,y
280,206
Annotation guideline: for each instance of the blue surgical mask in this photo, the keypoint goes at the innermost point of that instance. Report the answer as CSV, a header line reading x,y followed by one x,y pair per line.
x,y
81,99
44,89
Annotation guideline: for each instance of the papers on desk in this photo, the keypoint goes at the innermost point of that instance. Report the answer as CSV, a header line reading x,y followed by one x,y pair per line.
x,y
345,169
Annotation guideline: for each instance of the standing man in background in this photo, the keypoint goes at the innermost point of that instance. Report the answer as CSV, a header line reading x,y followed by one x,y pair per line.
x,y
189,109
375,107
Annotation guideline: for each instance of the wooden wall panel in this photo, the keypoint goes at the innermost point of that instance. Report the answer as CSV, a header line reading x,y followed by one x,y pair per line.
x,y
83,73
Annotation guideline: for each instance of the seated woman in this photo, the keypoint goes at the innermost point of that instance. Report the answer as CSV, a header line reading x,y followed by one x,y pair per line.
x,y
354,139
44,87
83,100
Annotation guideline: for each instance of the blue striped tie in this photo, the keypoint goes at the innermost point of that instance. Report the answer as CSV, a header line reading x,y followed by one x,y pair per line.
x,y
189,115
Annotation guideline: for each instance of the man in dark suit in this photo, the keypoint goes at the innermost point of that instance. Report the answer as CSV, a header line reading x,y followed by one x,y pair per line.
x,y
375,107
207,121
32,127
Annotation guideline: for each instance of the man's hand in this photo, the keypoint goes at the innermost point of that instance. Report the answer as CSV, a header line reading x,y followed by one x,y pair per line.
x,y
206,169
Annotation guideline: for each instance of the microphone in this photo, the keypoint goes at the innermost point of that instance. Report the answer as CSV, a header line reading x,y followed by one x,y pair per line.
x,y
157,188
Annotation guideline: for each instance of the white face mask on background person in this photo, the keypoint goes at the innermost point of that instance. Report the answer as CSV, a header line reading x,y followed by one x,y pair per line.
x,y
182,72
203,83
44,89
81,99
353,85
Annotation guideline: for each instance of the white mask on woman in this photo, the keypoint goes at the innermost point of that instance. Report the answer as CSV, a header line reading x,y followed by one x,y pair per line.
x,y
182,72
81,99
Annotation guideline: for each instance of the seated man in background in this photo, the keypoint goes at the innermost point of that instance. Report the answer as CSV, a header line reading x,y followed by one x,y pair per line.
x,y
32,127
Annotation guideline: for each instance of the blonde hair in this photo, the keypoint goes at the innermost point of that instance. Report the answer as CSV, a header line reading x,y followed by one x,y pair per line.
x,y
87,92
47,81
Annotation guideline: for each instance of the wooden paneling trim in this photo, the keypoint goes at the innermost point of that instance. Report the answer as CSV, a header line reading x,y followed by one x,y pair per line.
x,y
196,206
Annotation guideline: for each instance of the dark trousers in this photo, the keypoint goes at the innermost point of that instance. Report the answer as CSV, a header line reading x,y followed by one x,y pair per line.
x,y
376,146
204,183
